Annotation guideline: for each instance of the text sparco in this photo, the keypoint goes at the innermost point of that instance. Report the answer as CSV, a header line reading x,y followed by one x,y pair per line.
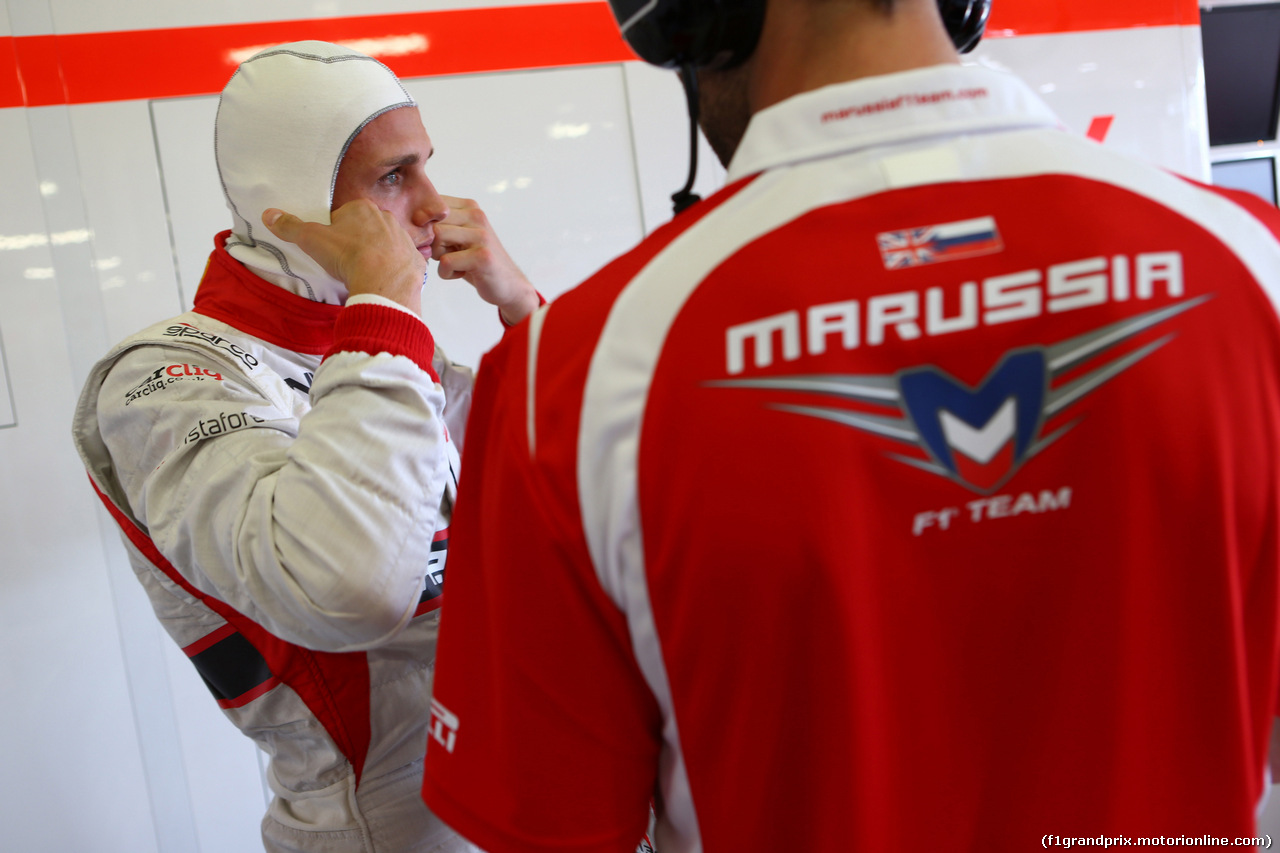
x,y
186,330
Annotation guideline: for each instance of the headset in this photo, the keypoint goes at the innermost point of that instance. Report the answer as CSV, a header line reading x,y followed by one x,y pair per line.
x,y
692,34
723,33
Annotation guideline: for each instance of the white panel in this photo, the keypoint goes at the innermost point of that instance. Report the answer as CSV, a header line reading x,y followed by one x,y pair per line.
x,y
70,237
660,125
29,17
1149,79
193,195
75,780
7,415
120,183
1194,139
81,16
547,154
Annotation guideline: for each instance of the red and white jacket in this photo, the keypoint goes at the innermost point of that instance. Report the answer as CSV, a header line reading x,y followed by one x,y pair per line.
x,y
924,483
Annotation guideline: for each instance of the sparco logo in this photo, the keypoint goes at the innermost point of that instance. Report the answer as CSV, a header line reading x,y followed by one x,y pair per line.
x,y
162,377
186,330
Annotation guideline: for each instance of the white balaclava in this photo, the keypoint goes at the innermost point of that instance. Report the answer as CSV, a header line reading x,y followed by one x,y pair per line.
x,y
284,122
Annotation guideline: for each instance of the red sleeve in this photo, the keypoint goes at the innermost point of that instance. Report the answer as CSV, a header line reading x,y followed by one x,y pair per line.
x,y
544,736
376,329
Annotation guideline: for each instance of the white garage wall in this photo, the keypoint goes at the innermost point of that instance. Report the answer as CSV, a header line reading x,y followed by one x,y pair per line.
x,y
1150,80
111,742
62,662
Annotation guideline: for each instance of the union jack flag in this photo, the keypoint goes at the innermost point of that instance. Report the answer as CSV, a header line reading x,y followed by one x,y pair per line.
x,y
950,241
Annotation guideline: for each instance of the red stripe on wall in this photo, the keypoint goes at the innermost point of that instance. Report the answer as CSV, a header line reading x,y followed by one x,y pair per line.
x,y
38,70
10,82
94,67
1043,17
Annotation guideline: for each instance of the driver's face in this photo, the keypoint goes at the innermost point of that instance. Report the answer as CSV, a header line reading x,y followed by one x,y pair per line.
x,y
387,164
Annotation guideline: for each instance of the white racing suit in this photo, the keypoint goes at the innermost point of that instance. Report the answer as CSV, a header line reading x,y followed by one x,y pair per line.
x,y
283,475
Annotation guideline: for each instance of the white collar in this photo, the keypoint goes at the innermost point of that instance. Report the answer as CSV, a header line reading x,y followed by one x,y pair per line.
x,y
887,109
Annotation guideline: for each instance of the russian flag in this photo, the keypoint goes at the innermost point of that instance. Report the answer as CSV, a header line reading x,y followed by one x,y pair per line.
x,y
950,241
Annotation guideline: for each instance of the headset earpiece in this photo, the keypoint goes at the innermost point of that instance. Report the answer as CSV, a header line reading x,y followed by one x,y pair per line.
x,y
966,20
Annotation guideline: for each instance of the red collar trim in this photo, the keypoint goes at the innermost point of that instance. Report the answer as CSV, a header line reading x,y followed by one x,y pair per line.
x,y
231,293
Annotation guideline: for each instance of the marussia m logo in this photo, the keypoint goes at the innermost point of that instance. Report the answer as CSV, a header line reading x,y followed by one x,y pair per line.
x,y
978,437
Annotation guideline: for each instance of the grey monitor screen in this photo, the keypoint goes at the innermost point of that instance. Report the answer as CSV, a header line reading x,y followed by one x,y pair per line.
x,y
1257,176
